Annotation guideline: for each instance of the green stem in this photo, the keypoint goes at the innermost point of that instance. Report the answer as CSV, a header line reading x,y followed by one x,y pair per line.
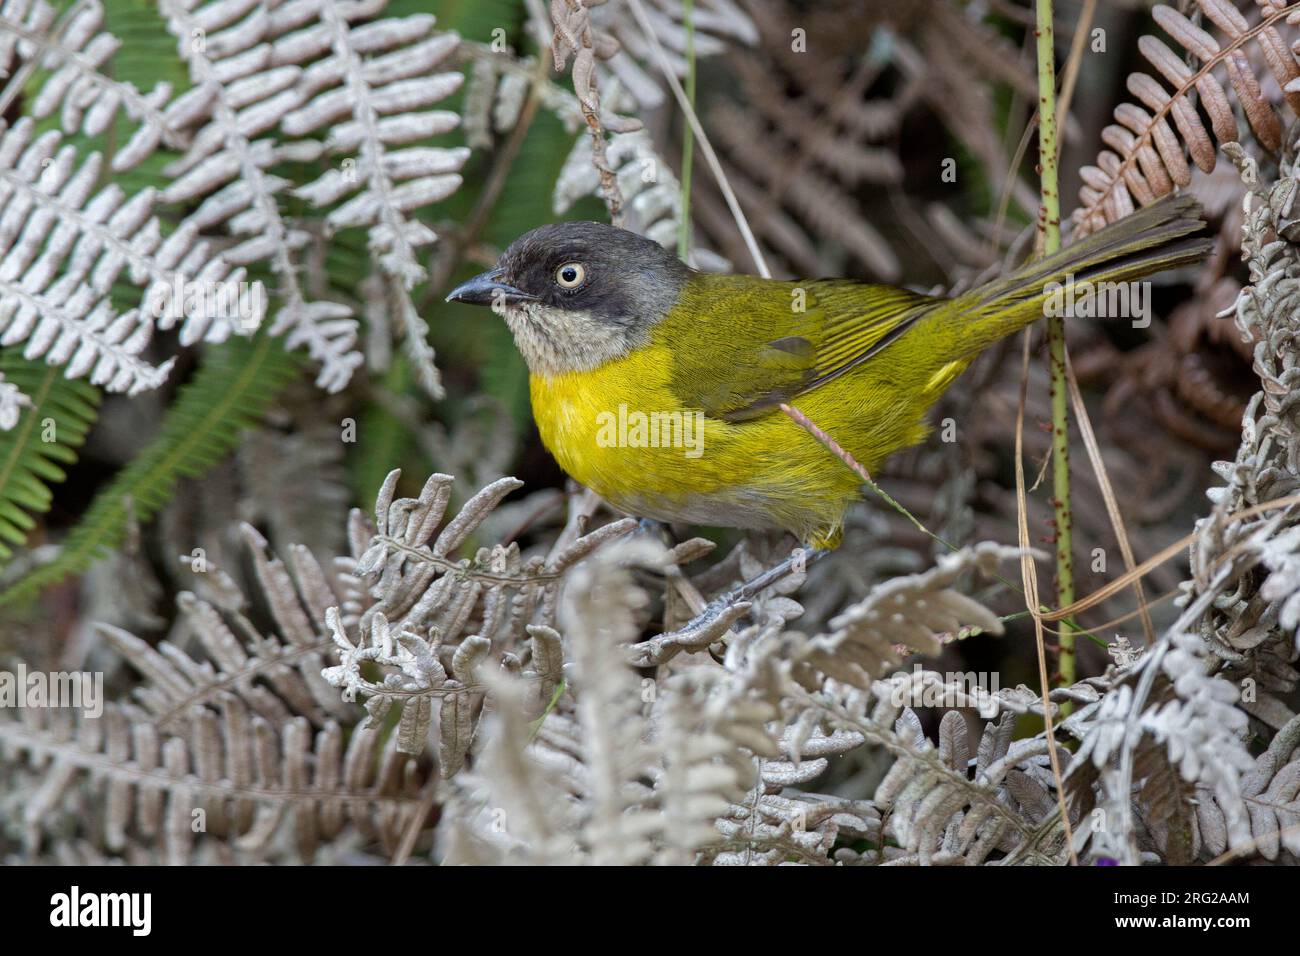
x,y
688,137
1049,226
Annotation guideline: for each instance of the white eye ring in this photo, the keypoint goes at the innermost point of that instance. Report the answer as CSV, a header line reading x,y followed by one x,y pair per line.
x,y
570,275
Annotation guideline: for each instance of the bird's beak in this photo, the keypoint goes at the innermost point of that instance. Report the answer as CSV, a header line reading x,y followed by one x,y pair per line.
x,y
486,289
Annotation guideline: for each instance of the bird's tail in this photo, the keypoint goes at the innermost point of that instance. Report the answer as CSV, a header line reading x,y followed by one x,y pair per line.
x,y
1148,241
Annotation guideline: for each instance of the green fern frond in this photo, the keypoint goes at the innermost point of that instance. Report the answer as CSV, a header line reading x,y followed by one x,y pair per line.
x,y
229,393
34,452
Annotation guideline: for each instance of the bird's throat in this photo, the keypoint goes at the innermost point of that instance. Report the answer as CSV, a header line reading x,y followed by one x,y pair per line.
x,y
555,341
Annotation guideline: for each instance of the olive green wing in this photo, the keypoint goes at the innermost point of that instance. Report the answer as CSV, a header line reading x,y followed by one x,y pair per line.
x,y
762,343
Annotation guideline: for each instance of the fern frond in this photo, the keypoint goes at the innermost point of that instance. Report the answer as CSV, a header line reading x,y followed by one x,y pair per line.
x,y
574,786
12,402
717,23
387,95
1146,158
496,92
938,815
240,91
42,440
424,600
74,51
55,303
64,248
271,790
228,394
276,672
911,611
242,740
1178,722
1271,792
376,108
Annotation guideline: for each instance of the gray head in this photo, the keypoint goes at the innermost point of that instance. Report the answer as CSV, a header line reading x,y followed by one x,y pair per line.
x,y
578,294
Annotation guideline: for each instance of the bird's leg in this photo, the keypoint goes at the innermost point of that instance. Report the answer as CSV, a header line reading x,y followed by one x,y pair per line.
x,y
651,527
713,621
798,561
673,574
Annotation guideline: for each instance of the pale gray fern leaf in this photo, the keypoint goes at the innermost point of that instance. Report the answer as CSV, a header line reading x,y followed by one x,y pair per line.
x,y
241,91
257,789
62,246
275,671
74,50
913,611
387,94
1271,791
414,603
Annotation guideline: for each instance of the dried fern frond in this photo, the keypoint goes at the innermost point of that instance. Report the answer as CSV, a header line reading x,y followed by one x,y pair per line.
x,y
497,88
939,816
1167,721
372,106
245,744
1271,791
606,30
276,672
1251,616
1146,158
260,789
419,601
294,483
241,90
933,808
907,612
816,152
77,243
65,245
415,580
74,52
607,783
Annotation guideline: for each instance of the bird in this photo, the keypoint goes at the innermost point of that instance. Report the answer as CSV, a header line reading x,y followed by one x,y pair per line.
x,y
661,388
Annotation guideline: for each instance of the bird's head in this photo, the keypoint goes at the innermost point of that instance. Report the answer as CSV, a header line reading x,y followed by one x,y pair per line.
x,y
578,294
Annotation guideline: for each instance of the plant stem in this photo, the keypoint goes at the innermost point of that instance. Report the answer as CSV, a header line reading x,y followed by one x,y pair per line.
x,y
688,138
1049,227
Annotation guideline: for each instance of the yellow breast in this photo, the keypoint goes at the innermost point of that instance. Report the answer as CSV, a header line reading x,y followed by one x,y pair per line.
x,y
621,431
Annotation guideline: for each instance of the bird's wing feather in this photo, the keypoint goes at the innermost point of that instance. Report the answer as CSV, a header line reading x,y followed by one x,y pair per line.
x,y
776,340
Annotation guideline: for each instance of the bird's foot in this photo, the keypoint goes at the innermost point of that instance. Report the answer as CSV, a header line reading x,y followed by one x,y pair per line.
x,y
712,623
796,563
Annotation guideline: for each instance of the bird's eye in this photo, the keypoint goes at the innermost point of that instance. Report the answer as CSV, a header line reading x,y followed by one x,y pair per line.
x,y
570,275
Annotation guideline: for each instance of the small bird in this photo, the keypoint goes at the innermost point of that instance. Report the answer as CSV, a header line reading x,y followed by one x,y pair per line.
x,y
659,387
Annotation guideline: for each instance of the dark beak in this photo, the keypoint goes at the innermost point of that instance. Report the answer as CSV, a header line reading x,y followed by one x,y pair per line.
x,y
486,289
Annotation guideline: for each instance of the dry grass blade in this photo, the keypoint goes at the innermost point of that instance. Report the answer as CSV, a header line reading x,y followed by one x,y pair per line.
x,y
1029,575
1108,494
